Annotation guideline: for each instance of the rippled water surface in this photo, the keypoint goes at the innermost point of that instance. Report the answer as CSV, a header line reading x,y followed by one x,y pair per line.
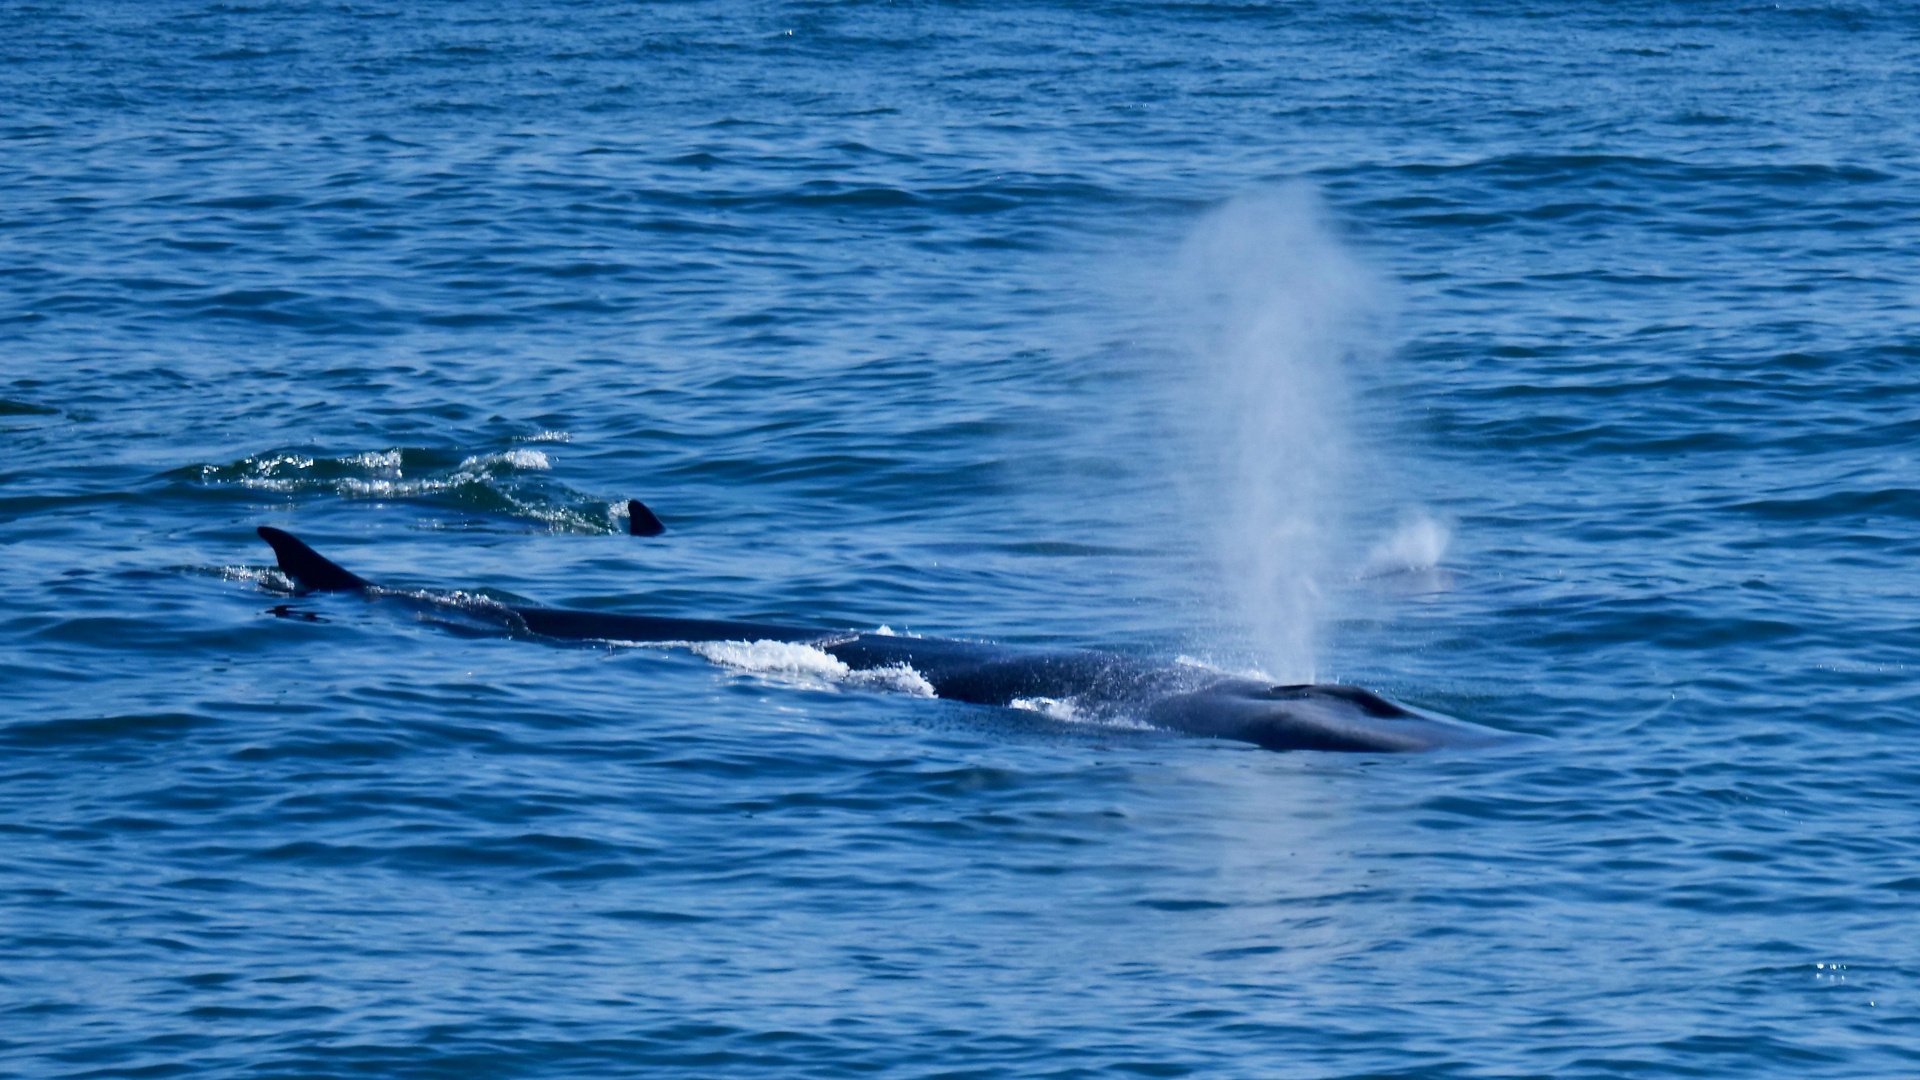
x,y
1552,366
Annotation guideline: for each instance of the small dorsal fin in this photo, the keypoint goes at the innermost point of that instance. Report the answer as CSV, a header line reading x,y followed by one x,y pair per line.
x,y
640,520
310,570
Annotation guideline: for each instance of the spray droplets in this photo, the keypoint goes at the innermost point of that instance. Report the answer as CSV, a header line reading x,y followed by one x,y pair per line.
x,y
1417,544
1278,310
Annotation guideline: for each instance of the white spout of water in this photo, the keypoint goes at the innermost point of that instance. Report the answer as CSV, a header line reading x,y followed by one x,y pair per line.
x,y
1279,309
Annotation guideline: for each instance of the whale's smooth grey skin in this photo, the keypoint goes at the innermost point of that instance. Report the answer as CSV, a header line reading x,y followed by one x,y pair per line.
x,y
1295,717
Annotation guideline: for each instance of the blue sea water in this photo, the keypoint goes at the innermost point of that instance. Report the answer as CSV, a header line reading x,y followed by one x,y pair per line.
x,y
1554,366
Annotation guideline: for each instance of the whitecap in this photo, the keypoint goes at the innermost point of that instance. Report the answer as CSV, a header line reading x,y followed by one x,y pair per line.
x,y
1060,709
808,664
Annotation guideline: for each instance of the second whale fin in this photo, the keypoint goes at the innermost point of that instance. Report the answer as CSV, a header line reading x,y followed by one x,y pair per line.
x,y
640,520
310,570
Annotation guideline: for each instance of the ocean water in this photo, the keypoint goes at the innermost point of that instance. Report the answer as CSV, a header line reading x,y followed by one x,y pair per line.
x,y
1554,366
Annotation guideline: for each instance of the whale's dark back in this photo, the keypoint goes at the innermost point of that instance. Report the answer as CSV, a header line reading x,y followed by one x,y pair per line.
x,y
1305,716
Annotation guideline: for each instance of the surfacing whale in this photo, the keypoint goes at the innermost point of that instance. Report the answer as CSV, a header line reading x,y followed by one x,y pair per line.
x,y
1292,717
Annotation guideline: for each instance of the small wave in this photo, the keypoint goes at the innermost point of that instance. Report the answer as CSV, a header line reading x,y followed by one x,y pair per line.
x,y
478,469
502,482
374,459
519,459
808,664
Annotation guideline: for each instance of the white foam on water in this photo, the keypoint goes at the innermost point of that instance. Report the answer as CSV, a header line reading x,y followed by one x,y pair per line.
x,y
1052,708
375,459
261,472
518,458
386,489
379,474
388,481
1066,711
266,577
900,678
773,658
271,473
807,664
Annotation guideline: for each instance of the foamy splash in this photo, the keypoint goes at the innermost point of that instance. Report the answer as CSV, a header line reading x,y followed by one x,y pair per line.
x,y
1418,544
804,663
474,470
266,577
1060,709
1068,711
506,481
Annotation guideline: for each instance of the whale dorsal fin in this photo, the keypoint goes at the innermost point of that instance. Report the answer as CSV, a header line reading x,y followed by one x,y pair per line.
x,y
310,570
640,520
